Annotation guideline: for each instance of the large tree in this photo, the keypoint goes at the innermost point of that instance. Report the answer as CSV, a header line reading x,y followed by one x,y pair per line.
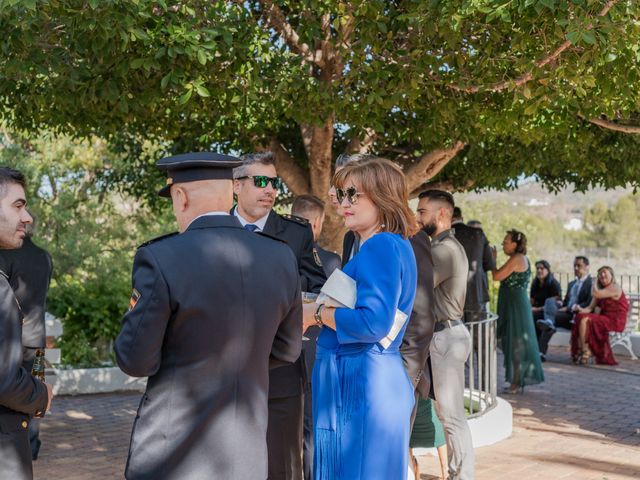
x,y
506,88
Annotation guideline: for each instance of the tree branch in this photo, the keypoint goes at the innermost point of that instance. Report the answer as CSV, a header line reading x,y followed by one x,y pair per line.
x,y
527,77
609,125
276,19
362,145
448,186
430,164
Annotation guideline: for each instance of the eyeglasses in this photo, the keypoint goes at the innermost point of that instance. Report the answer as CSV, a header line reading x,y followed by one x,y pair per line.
x,y
261,181
351,194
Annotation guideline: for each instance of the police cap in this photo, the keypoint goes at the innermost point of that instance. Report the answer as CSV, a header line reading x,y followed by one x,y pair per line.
x,y
191,167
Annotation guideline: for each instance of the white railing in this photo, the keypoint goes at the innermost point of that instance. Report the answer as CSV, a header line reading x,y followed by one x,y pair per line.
x,y
481,369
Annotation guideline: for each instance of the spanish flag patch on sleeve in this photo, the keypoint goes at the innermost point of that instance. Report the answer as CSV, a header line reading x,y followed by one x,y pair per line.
x,y
135,296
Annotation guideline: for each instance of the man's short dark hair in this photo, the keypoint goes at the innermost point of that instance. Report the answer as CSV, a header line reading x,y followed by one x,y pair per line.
x,y
263,158
438,195
306,205
584,259
10,175
457,213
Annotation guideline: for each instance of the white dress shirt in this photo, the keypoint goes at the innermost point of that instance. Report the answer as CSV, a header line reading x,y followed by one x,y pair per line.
x,y
260,223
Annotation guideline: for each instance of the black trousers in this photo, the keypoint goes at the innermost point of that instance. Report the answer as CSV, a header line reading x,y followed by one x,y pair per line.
x,y
562,320
284,438
15,453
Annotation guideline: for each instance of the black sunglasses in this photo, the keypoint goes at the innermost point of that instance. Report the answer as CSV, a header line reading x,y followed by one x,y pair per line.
x,y
351,194
261,181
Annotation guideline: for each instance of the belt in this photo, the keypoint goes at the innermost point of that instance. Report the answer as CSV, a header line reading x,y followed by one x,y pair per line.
x,y
446,324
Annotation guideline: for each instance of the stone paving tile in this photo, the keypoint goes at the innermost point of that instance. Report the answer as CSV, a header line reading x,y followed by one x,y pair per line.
x,y
583,423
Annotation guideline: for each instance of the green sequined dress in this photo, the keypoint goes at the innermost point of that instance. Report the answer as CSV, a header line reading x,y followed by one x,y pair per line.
x,y
516,331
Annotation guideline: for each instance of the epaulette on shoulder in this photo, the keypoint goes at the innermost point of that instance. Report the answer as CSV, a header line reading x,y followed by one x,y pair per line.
x,y
295,219
271,237
157,239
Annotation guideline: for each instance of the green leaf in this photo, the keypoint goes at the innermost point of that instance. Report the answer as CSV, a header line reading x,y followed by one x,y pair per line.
x,y
94,4
235,99
137,63
185,97
202,91
589,37
165,80
573,37
202,57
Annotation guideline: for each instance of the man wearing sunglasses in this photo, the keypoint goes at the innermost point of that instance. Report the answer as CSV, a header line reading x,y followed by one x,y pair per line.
x,y
255,185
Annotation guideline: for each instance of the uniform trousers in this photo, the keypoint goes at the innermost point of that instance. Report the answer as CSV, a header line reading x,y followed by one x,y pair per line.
x,y
15,452
449,350
29,355
284,438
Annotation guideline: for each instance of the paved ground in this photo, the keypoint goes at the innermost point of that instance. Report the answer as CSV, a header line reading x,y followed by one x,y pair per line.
x,y
583,423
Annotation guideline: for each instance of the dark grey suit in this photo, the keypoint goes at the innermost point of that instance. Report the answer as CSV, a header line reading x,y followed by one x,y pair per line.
x,y
21,395
212,307
481,261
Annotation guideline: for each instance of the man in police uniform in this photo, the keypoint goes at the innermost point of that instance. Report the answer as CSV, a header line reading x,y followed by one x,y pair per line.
x,y
212,309
21,394
255,185
29,270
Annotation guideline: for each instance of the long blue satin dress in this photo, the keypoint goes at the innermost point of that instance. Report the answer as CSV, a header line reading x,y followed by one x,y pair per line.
x,y
362,397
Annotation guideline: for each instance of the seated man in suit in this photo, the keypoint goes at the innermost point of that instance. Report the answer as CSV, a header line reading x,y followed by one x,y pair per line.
x,y
558,314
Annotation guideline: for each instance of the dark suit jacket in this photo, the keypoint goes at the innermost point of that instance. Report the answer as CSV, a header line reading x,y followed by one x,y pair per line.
x,y
210,308
330,260
347,246
299,236
481,261
21,394
290,380
417,336
584,295
29,270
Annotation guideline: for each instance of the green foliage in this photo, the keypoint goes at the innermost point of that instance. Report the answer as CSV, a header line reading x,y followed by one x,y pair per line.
x,y
420,74
90,230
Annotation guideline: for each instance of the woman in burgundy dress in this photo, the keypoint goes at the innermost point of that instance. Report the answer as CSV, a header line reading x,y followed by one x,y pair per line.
x,y
590,334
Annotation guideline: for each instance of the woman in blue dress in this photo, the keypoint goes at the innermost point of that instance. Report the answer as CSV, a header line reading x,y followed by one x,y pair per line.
x,y
362,397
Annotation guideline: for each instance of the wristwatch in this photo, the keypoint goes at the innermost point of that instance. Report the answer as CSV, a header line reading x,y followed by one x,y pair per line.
x,y
317,316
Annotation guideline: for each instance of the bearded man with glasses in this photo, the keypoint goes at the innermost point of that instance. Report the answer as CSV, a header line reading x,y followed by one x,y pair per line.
x,y
256,185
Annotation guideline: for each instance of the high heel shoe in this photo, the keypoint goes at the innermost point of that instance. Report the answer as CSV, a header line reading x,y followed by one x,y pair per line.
x,y
513,389
575,359
586,358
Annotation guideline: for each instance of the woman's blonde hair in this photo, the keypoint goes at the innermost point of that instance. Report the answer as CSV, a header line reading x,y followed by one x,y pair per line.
x,y
610,270
384,183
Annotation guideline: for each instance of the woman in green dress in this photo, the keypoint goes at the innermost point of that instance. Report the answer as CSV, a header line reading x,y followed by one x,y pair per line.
x,y
428,433
516,330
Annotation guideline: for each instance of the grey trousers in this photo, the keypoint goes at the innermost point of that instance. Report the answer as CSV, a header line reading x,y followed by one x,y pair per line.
x,y
450,349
